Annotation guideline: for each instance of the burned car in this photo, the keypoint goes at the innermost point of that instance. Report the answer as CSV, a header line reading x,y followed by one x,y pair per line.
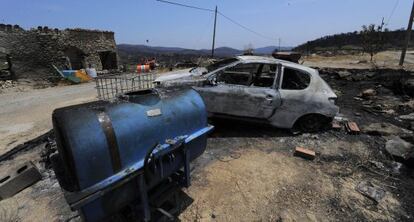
x,y
262,89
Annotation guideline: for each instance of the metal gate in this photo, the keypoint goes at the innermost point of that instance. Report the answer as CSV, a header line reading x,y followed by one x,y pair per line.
x,y
110,86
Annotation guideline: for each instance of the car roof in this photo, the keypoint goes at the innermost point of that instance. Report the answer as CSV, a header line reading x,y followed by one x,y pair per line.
x,y
268,59
248,58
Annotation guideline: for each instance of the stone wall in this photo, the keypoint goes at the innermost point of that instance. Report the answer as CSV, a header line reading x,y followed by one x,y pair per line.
x,y
39,48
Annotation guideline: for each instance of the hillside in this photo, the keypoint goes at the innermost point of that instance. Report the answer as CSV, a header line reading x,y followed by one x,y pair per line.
x,y
351,41
131,54
156,50
269,49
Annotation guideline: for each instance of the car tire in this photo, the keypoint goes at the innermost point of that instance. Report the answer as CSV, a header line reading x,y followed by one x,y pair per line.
x,y
312,123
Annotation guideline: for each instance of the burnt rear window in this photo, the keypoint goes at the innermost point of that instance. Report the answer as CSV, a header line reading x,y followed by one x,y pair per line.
x,y
294,79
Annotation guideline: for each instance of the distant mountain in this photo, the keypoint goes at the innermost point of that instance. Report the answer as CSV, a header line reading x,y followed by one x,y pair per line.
x,y
167,56
143,49
269,49
220,51
223,51
148,49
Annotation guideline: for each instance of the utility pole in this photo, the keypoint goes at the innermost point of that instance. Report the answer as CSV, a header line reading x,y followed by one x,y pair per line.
x,y
408,36
214,32
280,40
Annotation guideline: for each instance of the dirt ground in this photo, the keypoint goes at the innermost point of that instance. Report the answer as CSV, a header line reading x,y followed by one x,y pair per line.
x,y
26,113
249,172
386,59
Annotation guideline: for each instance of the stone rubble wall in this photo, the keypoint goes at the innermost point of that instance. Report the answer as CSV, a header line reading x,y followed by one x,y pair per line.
x,y
39,48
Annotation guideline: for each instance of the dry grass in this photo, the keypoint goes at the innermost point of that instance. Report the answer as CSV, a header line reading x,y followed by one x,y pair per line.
x,y
386,59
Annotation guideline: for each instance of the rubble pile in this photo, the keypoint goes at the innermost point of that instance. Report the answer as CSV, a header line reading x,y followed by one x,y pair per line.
x,y
7,84
399,81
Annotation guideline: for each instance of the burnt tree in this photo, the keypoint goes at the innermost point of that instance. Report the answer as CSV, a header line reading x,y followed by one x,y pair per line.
x,y
372,39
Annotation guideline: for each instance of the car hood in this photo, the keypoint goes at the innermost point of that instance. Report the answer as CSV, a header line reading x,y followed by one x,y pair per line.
x,y
181,74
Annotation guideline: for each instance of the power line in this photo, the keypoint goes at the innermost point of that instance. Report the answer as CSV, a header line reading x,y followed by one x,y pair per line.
x,y
392,12
224,16
244,27
188,6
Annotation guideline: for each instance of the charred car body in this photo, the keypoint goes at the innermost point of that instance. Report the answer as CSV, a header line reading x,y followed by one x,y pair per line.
x,y
261,89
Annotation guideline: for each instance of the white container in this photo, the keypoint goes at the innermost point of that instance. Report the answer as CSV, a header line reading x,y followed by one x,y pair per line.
x,y
91,72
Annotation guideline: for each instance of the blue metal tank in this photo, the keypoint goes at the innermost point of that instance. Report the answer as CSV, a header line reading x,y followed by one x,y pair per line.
x,y
111,153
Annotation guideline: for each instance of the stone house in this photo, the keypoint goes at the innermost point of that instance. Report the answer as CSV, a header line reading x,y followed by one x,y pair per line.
x,y
39,49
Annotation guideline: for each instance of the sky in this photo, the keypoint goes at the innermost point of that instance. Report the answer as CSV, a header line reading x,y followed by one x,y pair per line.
x,y
136,21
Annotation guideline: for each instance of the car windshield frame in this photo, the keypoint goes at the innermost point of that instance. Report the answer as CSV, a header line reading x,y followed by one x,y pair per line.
x,y
220,64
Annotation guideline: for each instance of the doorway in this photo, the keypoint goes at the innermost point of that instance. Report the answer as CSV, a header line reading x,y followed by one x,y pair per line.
x,y
108,60
76,58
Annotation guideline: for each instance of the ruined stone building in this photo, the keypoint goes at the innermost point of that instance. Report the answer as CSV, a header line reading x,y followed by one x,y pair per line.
x,y
38,49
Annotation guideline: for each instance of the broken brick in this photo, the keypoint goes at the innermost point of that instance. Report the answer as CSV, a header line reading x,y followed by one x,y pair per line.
x,y
336,125
305,153
352,127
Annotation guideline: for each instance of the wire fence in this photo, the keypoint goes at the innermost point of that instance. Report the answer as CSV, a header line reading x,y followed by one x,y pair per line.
x,y
110,86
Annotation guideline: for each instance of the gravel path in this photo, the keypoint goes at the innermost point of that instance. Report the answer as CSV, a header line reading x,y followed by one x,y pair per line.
x,y
26,115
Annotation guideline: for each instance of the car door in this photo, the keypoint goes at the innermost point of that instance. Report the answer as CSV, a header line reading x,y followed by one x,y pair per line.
x,y
236,94
296,95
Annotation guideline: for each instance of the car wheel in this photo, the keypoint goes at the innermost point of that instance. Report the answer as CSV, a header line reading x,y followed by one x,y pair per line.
x,y
312,123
